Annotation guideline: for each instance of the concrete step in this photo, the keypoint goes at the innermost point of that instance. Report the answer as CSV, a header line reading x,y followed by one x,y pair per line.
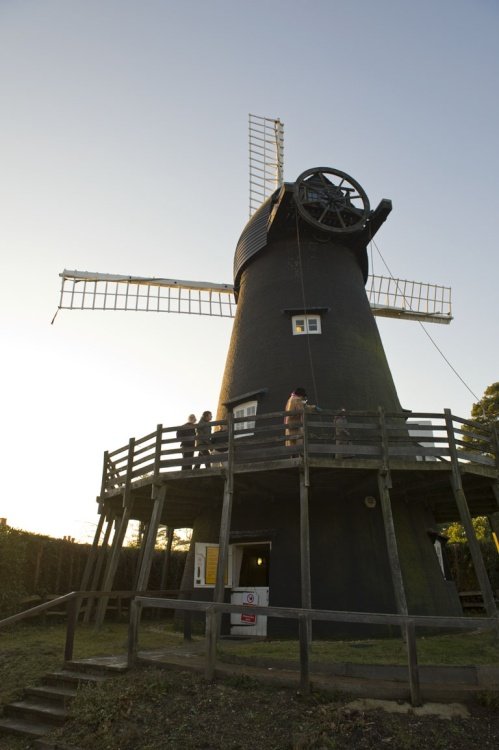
x,y
107,665
69,678
57,693
44,707
24,727
38,710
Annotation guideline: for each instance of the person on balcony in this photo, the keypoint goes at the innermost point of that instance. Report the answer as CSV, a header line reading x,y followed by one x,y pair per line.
x,y
187,436
203,438
297,403
341,432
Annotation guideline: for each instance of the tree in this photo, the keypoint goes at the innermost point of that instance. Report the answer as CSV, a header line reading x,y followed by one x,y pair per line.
x,y
486,411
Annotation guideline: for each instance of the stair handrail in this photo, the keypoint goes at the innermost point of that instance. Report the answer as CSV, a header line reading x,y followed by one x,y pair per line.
x,y
73,599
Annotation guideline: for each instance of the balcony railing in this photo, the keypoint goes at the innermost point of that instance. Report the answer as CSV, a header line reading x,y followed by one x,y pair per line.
x,y
260,441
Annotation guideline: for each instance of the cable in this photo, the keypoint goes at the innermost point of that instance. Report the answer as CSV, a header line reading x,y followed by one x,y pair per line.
x,y
422,325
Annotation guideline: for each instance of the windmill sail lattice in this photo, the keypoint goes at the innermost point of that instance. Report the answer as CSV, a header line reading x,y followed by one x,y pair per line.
x,y
388,297
266,159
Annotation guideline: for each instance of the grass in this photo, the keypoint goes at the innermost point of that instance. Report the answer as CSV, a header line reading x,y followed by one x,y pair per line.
x,y
459,649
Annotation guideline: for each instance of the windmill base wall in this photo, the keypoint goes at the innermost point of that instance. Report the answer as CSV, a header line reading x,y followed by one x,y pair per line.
x,y
350,569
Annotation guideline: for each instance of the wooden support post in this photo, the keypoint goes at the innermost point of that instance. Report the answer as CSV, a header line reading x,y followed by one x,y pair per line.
x,y
223,549
141,545
306,470
167,558
465,517
384,485
149,544
94,585
391,543
92,554
304,625
118,538
412,662
306,587
112,565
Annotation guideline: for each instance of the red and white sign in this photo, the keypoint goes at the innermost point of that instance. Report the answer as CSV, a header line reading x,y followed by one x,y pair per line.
x,y
248,618
249,598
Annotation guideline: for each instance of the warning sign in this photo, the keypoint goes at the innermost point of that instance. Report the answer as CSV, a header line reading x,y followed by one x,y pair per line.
x,y
248,618
249,599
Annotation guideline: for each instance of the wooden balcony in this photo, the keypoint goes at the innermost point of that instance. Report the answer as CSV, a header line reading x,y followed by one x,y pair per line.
x,y
419,450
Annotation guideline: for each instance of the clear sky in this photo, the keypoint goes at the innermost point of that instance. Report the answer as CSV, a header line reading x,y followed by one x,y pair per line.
x,y
124,149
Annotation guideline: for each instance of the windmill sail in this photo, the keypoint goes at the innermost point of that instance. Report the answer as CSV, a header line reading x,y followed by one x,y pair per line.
x,y
266,159
388,297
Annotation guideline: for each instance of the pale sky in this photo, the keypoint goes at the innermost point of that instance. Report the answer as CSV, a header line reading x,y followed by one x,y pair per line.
x,y
124,149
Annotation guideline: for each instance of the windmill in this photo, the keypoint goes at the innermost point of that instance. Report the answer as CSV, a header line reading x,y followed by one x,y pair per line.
x,y
302,317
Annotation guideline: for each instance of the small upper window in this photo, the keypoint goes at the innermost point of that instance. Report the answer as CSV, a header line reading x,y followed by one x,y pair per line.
x,y
303,324
248,409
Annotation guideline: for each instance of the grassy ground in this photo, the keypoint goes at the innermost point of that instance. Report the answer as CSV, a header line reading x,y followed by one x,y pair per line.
x,y
154,709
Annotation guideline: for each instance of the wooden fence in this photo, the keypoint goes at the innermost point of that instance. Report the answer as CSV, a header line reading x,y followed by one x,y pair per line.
x,y
305,617
213,612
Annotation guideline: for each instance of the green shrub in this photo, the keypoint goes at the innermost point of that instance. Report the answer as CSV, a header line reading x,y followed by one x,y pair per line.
x,y
12,566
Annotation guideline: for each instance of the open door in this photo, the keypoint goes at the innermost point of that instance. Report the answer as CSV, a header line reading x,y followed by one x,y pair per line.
x,y
251,563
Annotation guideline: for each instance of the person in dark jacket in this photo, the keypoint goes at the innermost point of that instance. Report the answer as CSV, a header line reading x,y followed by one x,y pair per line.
x,y
187,436
203,437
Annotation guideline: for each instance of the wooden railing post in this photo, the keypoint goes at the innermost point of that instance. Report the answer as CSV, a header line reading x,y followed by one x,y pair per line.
x,y
304,627
133,632
211,642
72,614
412,662
187,620
306,586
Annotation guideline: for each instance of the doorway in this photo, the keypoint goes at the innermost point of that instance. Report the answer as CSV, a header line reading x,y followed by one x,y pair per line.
x,y
251,565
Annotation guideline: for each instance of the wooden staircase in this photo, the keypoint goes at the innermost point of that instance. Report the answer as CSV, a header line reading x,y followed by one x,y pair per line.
x,y
44,707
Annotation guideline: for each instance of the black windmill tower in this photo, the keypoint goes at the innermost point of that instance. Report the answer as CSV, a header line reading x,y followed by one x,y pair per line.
x,y
303,318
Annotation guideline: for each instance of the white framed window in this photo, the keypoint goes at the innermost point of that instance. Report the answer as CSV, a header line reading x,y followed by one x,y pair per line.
x,y
205,565
306,324
247,409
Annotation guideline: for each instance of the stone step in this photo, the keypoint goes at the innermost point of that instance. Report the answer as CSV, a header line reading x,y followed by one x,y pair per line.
x,y
38,710
72,678
56,693
43,707
107,665
24,727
